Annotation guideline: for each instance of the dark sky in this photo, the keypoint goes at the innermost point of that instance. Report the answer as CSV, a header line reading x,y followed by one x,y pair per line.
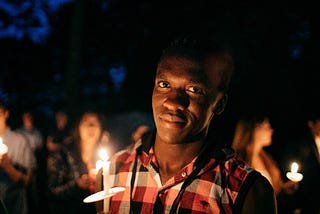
x,y
276,51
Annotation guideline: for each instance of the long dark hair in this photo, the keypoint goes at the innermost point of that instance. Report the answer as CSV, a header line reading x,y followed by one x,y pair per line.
x,y
244,131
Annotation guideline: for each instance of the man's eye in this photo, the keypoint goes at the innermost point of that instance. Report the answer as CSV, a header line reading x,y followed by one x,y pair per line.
x,y
195,90
163,84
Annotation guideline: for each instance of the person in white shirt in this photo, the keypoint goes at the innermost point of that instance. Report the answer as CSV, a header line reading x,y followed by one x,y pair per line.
x,y
16,167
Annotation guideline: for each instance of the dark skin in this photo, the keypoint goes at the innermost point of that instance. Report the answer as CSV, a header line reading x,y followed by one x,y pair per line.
x,y
183,101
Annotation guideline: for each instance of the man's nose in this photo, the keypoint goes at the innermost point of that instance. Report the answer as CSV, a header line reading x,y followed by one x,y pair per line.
x,y
177,100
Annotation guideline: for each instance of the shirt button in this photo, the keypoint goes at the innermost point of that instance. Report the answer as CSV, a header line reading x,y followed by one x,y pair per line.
x,y
183,174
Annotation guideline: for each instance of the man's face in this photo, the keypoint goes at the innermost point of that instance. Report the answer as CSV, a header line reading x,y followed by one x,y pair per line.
x,y
183,100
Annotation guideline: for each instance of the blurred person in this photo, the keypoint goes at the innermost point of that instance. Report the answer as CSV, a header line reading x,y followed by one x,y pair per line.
x,y
60,133
16,167
253,134
35,141
175,168
139,131
71,170
30,131
303,147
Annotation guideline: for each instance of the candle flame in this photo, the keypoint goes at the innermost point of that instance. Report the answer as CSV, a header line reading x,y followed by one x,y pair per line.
x,y
103,154
294,167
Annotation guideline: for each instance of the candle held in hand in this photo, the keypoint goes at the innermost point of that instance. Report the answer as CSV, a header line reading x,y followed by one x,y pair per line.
x,y
294,175
107,191
106,184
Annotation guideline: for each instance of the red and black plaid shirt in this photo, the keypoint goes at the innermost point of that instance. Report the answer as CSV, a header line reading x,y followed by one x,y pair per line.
x,y
213,189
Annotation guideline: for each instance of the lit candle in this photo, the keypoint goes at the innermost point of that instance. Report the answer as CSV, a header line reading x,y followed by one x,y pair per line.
x,y
107,191
294,175
106,184
3,147
99,165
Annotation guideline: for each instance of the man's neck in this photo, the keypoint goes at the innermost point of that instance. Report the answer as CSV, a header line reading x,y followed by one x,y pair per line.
x,y
173,157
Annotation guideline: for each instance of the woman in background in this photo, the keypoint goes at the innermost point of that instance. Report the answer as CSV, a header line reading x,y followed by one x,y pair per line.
x,y
252,135
71,174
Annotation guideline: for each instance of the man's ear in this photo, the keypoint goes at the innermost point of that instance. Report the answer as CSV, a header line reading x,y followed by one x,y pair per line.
x,y
219,108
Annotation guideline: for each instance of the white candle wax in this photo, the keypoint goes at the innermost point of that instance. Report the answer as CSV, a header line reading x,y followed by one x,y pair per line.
x,y
105,173
106,185
294,175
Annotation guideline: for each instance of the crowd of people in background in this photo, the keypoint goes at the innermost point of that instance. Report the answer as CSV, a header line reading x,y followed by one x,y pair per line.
x,y
67,153
54,172
49,172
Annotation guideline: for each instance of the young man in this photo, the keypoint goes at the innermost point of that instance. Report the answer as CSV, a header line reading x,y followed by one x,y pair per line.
x,y
176,169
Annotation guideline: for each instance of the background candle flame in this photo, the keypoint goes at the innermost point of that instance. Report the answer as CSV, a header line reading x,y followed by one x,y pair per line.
x,y
294,167
294,175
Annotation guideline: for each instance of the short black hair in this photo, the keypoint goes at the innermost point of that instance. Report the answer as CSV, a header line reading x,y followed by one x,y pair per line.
x,y
198,46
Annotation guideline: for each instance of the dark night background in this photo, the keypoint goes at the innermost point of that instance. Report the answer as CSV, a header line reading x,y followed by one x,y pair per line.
x,y
59,53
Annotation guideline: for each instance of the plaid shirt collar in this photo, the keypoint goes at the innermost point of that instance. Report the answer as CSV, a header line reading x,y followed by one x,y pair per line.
x,y
204,160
